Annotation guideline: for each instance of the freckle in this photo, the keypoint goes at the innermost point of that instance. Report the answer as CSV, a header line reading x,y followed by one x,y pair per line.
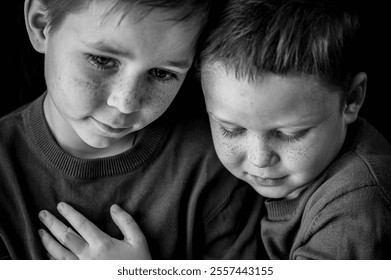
x,y
93,86
230,151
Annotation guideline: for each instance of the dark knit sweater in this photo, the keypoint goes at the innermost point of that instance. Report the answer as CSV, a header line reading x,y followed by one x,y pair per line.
x,y
171,182
345,214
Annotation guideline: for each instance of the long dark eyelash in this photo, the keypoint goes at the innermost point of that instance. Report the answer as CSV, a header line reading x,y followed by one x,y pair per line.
x,y
293,138
226,133
229,134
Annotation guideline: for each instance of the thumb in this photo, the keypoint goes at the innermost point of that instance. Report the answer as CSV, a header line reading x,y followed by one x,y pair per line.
x,y
128,226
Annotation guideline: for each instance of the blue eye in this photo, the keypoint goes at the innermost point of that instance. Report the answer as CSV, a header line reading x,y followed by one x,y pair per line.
x,y
163,75
102,62
292,138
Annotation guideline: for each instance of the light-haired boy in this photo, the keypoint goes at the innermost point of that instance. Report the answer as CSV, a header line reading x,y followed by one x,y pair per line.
x,y
102,133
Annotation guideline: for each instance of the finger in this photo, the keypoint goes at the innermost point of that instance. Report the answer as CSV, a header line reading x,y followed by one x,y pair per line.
x,y
55,226
81,224
65,235
128,226
74,242
54,249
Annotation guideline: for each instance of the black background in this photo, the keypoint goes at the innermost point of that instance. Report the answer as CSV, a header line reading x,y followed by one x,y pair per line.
x,y
22,73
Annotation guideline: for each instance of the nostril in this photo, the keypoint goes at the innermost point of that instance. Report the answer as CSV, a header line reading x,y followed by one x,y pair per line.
x,y
263,159
125,104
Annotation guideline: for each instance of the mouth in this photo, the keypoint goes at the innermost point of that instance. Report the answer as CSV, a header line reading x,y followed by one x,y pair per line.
x,y
109,128
267,181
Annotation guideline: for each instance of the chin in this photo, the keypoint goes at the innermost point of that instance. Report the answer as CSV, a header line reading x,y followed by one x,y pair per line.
x,y
97,143
272,192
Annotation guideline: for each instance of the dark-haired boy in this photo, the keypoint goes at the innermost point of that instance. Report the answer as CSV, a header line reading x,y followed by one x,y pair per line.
x,y
101,135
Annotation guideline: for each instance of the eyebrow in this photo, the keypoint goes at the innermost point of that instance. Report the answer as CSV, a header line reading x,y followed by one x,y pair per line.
x,y
180,64
184,64
220,119
104,47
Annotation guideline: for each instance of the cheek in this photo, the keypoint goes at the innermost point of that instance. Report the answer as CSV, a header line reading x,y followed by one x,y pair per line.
x,y
90,87
300,158
228,151
156,100
307,161
316,154
88,93
73,89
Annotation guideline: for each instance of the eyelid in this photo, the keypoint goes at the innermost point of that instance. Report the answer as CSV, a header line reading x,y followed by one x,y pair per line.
x,y
292,137
92,59
230,132
294,133
231,129
171,71
172,76
165,70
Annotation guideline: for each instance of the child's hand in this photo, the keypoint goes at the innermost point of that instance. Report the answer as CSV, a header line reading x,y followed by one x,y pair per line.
x,y
90,242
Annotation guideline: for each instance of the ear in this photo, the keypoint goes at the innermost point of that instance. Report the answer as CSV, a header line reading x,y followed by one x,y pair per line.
x,y
37,26
355,98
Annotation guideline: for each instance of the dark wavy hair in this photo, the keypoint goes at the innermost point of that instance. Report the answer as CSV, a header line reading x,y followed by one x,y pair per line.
x,y
286,37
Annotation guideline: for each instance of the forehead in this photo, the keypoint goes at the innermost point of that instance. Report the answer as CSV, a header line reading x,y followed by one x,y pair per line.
x,y
118,10
177,11
270,101
153,34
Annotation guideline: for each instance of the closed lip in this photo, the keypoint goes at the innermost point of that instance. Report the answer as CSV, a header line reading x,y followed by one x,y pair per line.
x,y
269,181
109,128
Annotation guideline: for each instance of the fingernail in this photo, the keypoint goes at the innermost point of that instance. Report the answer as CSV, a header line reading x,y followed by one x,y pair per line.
x,y
42,215
115,208
41,232
60,206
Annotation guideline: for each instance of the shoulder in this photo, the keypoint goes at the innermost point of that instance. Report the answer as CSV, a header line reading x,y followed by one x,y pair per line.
x,y
351,202
363,166
14,127
374,153
12,123
10,118
345,221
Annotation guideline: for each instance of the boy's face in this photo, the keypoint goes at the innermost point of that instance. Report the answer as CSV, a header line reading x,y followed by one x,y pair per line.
x,y
278,133
108,77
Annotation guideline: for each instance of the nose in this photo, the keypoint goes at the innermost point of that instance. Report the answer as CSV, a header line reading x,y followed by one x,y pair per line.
x,y
125,96
261,154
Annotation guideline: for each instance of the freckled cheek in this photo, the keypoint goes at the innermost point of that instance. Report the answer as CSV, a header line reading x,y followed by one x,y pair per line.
x,y
155,101
228,151
304,161
88,94
92,87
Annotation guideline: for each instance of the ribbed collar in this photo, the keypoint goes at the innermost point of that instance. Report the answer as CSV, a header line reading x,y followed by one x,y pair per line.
x,y
148,144
284,209
281,209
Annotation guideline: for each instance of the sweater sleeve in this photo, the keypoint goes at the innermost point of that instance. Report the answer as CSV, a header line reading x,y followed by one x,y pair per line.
x,y
4,255
230,221
354,225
